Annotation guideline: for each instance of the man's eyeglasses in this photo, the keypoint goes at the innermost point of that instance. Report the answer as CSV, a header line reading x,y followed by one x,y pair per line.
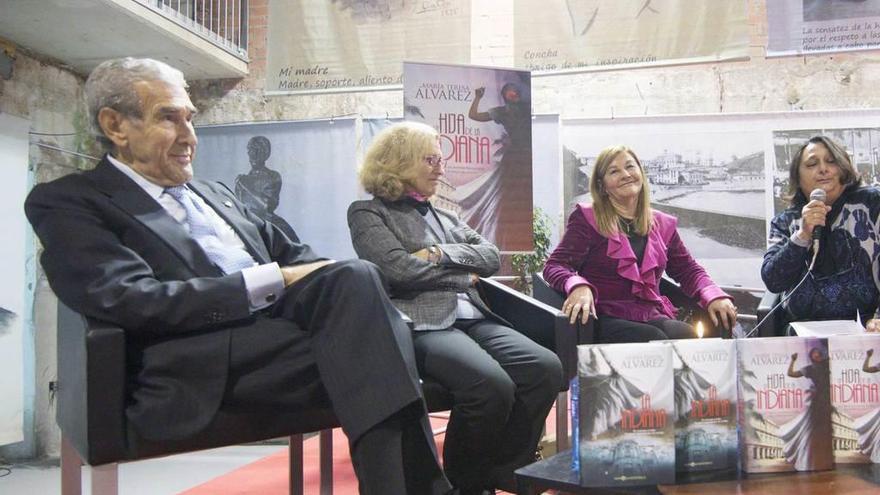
x,y
435,160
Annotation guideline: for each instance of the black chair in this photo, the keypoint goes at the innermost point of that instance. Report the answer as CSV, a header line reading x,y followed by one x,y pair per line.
x,y
91,401
568,337
775,325
688,308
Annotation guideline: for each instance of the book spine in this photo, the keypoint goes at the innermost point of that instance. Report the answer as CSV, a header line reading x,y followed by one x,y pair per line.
x,y
574,389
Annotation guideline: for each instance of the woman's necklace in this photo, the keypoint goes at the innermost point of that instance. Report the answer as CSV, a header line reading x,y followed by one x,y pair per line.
x,y
626,225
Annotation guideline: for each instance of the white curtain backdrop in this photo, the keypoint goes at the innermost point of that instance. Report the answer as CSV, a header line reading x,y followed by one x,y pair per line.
x,y
14,177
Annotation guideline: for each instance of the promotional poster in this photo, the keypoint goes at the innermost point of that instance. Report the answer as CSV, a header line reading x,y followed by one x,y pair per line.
x,y
785,404
484,117
855,397
625,415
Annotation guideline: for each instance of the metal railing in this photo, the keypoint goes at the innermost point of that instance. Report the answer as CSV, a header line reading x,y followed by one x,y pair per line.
x,y
222,22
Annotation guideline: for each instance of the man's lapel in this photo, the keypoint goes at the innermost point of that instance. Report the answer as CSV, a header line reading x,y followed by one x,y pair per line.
x,y
225,207
129,197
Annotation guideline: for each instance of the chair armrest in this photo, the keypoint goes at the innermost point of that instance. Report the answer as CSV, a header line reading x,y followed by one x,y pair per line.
x,y
91,386
406,319
542,291
677,296
679,299
528,316
566,337
770,327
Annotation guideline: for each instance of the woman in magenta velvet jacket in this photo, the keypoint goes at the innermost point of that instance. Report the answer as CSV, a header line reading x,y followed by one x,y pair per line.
x,y
614,252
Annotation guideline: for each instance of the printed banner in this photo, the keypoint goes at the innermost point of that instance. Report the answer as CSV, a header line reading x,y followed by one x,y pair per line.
x,y
578,35
484,117
341,45
299,175
819,26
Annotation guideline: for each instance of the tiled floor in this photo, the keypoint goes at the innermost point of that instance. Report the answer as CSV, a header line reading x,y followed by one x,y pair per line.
x,y
164,476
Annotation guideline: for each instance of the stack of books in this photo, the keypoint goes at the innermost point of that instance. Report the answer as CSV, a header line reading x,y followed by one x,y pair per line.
x,y
644,411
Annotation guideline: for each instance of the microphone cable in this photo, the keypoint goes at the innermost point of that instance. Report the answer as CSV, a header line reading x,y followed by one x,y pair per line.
x,y
782,301
816,195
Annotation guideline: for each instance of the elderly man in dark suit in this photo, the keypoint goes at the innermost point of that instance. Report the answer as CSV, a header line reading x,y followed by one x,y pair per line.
x,y
220,308
503,383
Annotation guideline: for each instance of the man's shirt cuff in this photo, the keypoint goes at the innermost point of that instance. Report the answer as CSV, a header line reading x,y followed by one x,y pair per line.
x,y
264,285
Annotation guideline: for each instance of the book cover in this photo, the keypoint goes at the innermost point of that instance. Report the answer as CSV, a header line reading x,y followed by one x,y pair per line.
x,y
855,397
705,404
784,404
625,415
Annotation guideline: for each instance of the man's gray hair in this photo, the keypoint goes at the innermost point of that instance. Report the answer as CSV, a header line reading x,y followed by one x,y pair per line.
x,y
111,85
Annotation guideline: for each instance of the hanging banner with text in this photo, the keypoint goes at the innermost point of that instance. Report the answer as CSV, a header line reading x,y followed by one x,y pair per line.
x,y
553,36
345,45
796,27
484,117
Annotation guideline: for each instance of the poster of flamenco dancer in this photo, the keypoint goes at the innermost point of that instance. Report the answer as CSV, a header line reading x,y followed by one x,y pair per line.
x,y
484,117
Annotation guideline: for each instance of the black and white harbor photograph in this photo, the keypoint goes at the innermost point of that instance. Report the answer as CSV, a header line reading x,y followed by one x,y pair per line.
x,y
862,144
710,176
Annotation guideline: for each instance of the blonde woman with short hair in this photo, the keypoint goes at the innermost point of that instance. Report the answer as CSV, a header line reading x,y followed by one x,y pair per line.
x,y
502,382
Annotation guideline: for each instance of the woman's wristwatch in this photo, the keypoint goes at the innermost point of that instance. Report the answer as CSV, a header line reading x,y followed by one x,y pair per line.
x,y
434,254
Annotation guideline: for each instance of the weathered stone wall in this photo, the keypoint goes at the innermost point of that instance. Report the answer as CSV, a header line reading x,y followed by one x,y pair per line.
x,y
50,97
826,82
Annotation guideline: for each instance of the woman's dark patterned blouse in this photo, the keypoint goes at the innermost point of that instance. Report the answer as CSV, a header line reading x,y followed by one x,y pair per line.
x,y
846,274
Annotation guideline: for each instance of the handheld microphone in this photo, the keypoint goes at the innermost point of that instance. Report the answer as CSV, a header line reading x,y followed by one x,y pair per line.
x,y
817,195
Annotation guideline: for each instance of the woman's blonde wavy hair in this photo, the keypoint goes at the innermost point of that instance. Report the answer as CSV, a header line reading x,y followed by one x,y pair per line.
x,y
393,158
606,216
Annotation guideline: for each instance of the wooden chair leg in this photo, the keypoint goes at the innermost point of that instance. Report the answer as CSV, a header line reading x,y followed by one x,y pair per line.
x,y
295,448
562,443
71,469
105,479
326,437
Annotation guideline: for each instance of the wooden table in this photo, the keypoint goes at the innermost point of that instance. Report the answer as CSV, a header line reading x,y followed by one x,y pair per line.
x,y
847,479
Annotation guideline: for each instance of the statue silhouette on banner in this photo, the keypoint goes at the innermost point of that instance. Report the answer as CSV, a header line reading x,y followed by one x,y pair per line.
x,y
260,188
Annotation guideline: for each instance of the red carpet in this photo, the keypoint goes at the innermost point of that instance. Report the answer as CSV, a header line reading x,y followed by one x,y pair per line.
x,y
268,476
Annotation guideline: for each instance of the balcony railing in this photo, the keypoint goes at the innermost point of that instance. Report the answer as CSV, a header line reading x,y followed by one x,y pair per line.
x,y
222,22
